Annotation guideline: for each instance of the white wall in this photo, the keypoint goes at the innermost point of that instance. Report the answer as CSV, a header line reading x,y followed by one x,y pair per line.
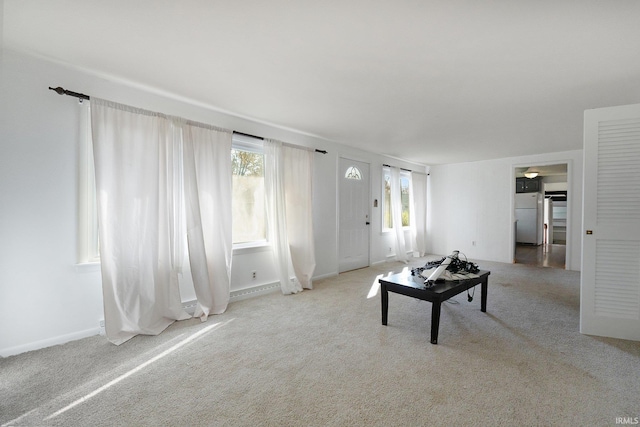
x,y
473,202
45,298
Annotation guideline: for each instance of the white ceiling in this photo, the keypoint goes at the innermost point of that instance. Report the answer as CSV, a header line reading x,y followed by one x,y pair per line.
x,y
428,81
559,170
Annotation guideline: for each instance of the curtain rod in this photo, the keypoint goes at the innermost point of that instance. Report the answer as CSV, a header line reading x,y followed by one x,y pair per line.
x,y
262,139
61,91
249,135
402,169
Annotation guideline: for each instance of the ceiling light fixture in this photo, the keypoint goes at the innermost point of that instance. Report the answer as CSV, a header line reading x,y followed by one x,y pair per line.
x,y
530,174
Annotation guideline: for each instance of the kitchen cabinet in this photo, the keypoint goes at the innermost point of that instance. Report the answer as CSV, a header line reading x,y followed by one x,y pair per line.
x,y
528,185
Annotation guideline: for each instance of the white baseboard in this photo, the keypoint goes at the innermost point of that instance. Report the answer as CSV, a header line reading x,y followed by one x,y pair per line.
x,y
49,342
325,276
189,307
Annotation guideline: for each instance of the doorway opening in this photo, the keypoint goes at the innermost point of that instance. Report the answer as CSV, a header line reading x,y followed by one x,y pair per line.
x,y
541,220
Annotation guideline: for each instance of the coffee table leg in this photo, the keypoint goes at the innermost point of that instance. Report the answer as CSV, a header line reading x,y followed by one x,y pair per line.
x,y
483,294
384,294
435,322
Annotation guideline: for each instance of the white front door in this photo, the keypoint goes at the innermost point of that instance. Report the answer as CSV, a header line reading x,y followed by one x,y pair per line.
x,y
353,229
610,276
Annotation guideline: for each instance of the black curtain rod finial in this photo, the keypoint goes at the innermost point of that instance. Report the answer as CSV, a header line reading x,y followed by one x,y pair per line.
x,y
58,90
62,91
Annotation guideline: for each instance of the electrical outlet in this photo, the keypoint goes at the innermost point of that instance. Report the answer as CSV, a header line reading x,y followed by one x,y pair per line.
x,y
389,249
253,274
473,243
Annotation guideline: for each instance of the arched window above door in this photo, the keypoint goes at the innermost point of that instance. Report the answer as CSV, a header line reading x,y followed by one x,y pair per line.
x,y
353,173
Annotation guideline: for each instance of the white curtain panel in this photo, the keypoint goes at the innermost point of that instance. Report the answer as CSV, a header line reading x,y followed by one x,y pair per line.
x,y
411,244
298,173
278,217
396,215
419,214
132,155
175,188
207,176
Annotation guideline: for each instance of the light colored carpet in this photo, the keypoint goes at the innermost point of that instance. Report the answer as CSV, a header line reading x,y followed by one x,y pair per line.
x,y
322,358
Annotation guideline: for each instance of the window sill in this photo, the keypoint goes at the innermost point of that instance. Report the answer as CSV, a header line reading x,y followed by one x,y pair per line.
x,y
389,230
93,267
250,248
88,267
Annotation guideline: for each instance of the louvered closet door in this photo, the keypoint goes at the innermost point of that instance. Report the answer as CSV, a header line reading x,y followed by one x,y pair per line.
x,y
610,279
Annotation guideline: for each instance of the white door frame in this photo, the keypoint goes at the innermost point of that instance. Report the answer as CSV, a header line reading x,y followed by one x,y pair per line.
x,y
570,200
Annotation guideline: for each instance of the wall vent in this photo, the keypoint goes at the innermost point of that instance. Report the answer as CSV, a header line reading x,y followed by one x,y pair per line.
x,y
254,291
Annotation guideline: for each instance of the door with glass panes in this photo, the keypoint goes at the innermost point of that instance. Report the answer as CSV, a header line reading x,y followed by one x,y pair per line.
x,y
353,227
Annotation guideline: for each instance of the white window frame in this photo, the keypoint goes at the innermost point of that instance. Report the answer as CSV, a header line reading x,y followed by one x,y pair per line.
x,y
386,172
407,176
255,145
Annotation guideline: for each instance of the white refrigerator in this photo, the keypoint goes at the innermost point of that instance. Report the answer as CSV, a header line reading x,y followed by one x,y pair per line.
x,y
529,218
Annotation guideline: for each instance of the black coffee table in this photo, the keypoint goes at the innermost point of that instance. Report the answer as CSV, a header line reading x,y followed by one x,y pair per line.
x,y
413,286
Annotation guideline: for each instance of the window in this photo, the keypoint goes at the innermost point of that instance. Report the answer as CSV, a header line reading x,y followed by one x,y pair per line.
x,y
386,204
404,198
247,160
405,191
247,203
353,173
